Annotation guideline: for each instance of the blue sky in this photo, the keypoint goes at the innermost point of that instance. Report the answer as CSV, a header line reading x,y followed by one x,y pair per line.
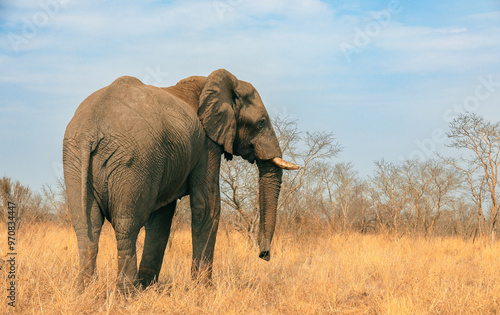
x,y
383,76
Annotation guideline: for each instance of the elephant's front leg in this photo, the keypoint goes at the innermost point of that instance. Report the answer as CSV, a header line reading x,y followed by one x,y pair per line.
x,y
157,233
205,208
204,225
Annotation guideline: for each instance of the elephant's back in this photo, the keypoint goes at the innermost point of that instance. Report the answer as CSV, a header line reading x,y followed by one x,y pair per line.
x,y
145,135
129,107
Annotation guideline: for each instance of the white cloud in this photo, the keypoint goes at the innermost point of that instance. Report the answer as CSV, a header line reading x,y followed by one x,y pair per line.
x,y
289,8
403,38
14,108
427,49
492,16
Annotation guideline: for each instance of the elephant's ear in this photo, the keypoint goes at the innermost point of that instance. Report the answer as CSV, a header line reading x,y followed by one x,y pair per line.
x,y
216,108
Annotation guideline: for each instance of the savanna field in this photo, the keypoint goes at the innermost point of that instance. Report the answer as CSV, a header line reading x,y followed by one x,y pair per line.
x,y
326,274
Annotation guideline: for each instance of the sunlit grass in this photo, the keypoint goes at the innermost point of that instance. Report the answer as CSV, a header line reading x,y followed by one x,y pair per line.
x,y
339,274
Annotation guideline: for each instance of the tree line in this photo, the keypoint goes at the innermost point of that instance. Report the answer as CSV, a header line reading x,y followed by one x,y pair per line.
x,y
443,196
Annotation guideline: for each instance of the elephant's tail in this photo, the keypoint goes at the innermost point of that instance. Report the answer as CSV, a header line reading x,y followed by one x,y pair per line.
x,y
85,156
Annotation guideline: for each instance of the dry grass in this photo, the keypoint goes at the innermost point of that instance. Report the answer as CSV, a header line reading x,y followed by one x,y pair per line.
x,y
339,274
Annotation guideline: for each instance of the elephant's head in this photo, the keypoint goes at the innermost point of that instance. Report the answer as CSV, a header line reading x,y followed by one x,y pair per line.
x,y
234,116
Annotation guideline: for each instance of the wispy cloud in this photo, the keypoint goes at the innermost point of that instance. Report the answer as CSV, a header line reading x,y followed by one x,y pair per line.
x,y
491,16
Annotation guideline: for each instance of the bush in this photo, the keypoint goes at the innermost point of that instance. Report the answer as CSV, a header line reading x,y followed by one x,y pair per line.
x,y
32,207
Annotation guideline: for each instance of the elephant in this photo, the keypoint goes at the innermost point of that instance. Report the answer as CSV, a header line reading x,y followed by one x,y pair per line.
x,y
132,150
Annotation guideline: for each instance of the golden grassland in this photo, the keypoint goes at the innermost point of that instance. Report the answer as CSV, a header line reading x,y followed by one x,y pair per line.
x,y
328,274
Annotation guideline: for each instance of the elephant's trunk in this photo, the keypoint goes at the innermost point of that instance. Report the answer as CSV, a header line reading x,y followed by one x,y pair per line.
x,y
269,190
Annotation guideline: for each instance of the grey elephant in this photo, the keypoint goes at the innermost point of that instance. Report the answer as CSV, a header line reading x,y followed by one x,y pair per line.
x,y
132,150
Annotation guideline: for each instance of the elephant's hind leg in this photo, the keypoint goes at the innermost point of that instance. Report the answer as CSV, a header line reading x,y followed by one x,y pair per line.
x,y
126,231
157,233
87,234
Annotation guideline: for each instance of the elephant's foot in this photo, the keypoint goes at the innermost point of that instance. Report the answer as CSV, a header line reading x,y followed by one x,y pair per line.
x,y
126,282
126,287
84,280
147,277
202,276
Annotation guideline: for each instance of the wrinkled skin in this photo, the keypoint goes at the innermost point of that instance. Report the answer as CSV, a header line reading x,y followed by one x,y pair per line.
x,y
132,150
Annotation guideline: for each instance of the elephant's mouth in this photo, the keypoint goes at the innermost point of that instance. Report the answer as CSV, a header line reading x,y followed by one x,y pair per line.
x,y
249,157
247,153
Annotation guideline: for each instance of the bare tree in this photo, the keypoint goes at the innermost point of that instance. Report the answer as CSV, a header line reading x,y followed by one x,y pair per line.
x,y
389,196
480,140
431,187
29,205
56,201
463,219
316,147
300,188
343,195
325,174
418,179
475,185
239,196
239,193
346,190
445,182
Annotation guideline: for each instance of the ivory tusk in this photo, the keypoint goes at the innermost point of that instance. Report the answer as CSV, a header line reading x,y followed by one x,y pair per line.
x,y
284,164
